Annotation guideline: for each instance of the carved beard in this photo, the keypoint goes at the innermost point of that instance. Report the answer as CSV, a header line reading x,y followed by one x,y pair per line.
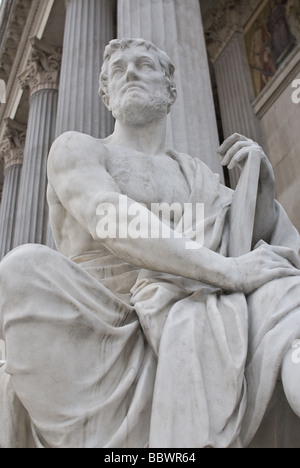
x,y
138,108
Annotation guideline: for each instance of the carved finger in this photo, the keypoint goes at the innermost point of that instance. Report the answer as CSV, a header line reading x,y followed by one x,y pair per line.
x,y
234,150
229,142
238,158
284,272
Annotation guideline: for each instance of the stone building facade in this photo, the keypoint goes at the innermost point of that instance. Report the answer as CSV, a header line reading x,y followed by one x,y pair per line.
x,y
50,58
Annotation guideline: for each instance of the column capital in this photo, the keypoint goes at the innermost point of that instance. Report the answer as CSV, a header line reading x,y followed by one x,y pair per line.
x,y
43,67
13,143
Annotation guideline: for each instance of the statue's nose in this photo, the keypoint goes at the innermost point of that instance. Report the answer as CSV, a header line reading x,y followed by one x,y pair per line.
x,y
131,73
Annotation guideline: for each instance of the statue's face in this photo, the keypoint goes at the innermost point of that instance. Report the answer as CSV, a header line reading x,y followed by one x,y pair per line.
x,y
137,86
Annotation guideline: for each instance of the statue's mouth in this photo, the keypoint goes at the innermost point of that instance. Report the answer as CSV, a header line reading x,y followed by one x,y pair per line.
x,y
132,87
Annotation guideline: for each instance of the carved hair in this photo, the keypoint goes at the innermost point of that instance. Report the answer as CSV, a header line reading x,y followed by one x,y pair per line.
x,y
122,44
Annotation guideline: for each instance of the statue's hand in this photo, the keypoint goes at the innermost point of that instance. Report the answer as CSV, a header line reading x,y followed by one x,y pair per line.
x,y
264,264
237,148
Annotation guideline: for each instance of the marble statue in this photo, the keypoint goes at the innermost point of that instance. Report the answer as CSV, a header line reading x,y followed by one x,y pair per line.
x,y
126,339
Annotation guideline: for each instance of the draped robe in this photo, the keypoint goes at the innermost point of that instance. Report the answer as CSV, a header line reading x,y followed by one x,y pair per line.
x,y
104,354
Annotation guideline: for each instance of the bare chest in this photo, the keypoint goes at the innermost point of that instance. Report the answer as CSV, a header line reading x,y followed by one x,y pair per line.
x,y
148,179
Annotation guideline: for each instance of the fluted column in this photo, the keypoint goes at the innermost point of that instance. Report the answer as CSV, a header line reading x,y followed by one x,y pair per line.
x,y
89,27
175,26
235,91
41,76
12,151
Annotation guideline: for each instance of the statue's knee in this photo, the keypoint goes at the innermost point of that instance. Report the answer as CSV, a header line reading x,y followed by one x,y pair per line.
x,y
290,375
24,259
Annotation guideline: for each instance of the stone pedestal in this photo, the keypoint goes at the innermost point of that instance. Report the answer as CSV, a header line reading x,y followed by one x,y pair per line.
x,y
41,76
89,27
12,150
177,29
236,94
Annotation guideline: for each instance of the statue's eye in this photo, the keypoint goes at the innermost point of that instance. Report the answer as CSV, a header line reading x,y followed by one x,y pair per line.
x,y
117,72
144,66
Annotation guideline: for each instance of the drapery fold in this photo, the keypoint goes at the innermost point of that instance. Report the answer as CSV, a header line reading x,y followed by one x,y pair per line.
x,y
119,356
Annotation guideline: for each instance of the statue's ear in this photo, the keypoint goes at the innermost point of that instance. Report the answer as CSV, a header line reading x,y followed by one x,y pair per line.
x,y
105,99
172,98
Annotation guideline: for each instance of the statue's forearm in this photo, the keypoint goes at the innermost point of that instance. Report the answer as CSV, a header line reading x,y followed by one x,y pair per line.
x,y
169,255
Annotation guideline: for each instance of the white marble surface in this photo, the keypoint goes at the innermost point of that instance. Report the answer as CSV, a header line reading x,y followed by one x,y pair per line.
x,y
2,351
2,354
123,341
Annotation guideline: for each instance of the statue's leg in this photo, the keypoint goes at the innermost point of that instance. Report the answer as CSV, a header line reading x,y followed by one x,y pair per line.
x,y
70,344
290,375
274,325
14,420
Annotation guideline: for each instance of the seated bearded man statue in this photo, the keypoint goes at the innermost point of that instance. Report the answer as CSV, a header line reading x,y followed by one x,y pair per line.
x,y
149,340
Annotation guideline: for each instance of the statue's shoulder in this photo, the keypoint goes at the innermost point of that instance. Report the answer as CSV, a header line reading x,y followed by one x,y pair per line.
x,y
73,145
75,140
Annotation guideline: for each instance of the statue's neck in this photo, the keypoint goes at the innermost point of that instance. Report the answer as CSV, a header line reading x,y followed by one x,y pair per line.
x,y
148,139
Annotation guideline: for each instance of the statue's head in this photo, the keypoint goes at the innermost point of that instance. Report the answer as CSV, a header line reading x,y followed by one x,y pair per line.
x,y
130,62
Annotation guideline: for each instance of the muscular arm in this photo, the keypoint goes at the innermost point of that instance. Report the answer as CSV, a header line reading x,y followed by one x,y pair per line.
x,y
82,184
79,177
